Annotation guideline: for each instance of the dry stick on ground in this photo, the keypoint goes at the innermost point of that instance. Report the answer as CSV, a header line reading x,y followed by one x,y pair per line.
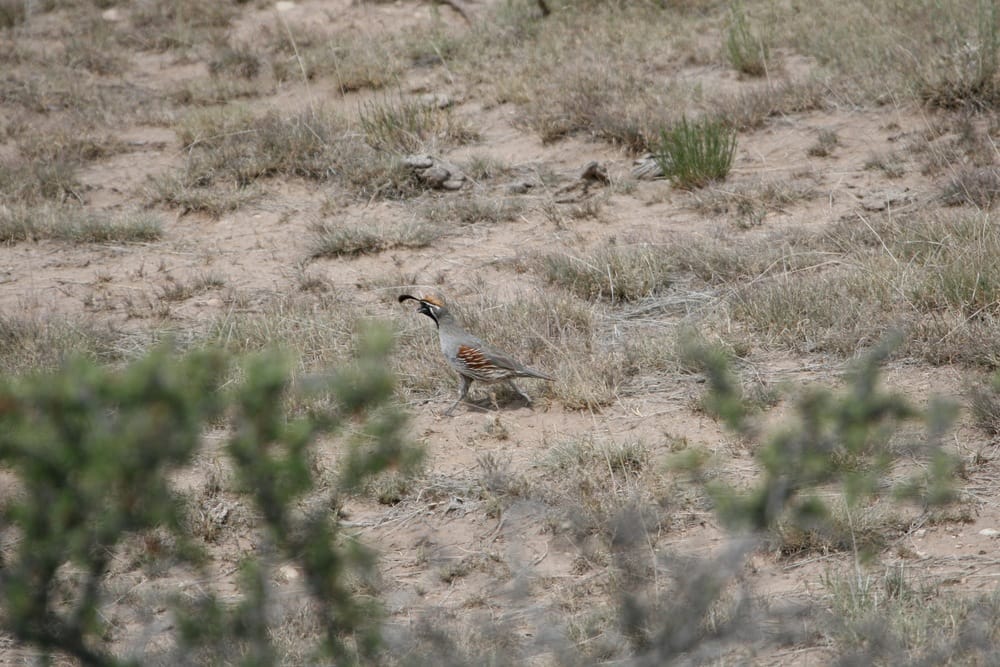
x,y
460,7
463,9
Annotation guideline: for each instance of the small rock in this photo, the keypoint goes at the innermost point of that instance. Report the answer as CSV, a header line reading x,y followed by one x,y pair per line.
x,y
880,201
284,5
435,173
989,532
418,161
219,512
288,573
920,533
519,187
111,14
435,176
436,101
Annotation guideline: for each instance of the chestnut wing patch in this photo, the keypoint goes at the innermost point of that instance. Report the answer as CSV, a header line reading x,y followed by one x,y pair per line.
x,y
473,358
477,364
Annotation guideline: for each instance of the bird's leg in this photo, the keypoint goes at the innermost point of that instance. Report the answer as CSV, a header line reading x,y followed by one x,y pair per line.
x,y
463,391
515,388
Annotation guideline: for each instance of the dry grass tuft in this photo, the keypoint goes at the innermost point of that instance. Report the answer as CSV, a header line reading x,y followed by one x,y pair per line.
x,y
340,239
615,273
76,225
748,204
183,24
472,210
29,345
978,187
748,52
354,61
319,330
230,149
984,403
401,125
592,482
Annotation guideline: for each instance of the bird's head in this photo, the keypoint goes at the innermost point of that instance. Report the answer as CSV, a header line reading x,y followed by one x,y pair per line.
x,y
431,305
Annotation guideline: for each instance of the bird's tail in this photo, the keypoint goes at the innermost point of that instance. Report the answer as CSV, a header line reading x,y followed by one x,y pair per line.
x,y
528,372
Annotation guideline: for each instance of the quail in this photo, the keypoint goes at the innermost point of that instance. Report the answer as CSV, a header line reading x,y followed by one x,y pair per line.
x,y
471,358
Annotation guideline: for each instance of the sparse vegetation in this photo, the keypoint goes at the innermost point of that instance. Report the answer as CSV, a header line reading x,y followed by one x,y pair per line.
x,y
400,125
450,212
978,187
748,205
628,515
984,402
77,225
968,77
615,273
337,239
825,143
30,344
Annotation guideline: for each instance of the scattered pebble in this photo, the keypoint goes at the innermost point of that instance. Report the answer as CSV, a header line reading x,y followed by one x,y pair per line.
x,y
519,187
989,532
436,100
880,201
418,161
436,173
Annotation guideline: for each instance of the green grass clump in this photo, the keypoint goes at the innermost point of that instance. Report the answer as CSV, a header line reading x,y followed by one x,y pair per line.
x,y
695,153
747,52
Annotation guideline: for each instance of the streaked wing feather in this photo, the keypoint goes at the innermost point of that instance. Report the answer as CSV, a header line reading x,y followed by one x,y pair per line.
x,y
491,366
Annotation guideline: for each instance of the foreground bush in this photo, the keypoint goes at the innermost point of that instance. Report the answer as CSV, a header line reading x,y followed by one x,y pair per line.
x,y
93,450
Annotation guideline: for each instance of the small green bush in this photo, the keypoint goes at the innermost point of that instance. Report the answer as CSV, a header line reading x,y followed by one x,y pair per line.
x,y
841,439
694,154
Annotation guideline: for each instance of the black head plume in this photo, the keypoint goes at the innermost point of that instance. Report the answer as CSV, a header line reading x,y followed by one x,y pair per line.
x,y
429,306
